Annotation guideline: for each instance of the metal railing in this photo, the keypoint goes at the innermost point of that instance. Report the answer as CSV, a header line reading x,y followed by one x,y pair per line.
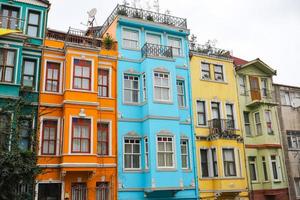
x,y
11,23
155,50
122,10
221,126
210,51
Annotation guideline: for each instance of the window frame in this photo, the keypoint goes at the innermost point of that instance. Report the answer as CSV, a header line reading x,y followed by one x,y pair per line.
x,y
243,85
264,87
276,161
132,154
130,39
202,163
254,164
231,116
4,66
169,87
11,8
258,123
37,26
204,71
186,154
107,86
165,152
204,113
153,34
108,138
104,186
144,89
80,138
182,94
59,64
34,60
219,73
234,162
146,149
269,123
180,48
55,126
30,131
264,168
247,123
132,89
90,78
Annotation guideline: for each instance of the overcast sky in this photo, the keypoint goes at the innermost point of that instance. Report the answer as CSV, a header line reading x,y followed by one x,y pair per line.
x,y
268,29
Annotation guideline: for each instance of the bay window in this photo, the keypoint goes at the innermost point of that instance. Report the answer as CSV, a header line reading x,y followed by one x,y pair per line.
x,y
81,129
82,74
275,167
184,147
268,118
165,152
7,65
131,88
247,123
258,123
162,88
204,163
180,93
264,164
146,143
132,153
52,77
264,87
49,135
252,168
242,83
230,116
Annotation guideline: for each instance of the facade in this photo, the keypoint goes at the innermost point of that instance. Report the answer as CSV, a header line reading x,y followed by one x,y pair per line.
x,y
77,118
288,98
23,23
264,151
217,123
155,136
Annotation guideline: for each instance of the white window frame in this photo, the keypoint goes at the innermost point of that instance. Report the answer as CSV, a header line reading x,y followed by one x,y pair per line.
x,y
264,162
181,53
278,168
258,123
271,121
131,89
186,154
155,34
210,162
160,86
205,112
201,70
173,152
144,84
223,73
109,68
132,153
146,150
255,168
182,95
243,84
130,39
236,161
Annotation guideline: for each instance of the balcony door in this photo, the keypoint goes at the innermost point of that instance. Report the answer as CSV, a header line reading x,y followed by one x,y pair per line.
x,y
10,17
216,118
254,88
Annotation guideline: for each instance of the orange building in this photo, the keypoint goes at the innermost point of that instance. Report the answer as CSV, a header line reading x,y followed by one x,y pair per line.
x,y
77,127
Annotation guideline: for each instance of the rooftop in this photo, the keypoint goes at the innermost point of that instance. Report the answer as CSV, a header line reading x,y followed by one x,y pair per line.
x,y
208,50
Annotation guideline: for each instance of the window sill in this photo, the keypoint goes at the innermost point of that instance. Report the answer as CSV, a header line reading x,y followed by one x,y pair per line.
x,y
166,169
162,102
183,108
99,97
106,156
78,90
277,181
53,93
132,170
12,84
187,170
214,81
201,126
131,49
132,104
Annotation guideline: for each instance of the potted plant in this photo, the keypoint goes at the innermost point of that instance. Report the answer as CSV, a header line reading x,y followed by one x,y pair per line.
x,y
136,14
150,18
122,12
108,42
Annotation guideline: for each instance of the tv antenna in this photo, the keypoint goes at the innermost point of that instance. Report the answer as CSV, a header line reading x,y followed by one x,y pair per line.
x,y
92,16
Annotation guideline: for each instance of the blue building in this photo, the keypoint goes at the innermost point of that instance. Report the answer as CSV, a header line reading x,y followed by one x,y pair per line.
x,y
155,128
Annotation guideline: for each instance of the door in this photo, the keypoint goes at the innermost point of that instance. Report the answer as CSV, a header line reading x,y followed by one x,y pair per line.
x,y
79,191
216,118
49,191
254,88
10,17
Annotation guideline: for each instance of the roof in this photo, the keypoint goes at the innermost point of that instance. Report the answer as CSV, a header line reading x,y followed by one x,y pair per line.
x,y
256,63
238,61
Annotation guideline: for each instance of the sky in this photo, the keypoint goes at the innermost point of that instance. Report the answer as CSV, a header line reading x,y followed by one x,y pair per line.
x,y
265,29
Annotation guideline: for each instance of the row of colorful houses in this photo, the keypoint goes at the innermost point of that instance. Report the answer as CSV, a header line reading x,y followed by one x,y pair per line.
x,y
134,110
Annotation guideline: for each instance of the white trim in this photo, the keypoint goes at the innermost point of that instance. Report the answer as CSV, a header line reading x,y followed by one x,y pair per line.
x,y
41,16
220,108
236,160
138,39
81,54
61,67
123,89
205,113
154,33
109,122
123,152
170,86
174,166
54,56
182,53
235,117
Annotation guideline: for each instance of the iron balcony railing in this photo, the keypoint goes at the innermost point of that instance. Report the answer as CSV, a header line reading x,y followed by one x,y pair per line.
x,y
256,96
221,127
122,10
210,51
11,23
155,50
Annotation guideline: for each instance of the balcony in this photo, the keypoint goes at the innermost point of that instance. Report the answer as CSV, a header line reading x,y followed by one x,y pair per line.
x,y
11,23
155,50
256,97
208,50
123,10
222,128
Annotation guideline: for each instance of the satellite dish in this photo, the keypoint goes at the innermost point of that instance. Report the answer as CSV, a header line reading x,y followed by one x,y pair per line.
x,y
92,13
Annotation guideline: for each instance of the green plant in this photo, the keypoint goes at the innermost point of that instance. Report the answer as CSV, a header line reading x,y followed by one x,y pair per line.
x,y
122,12
150,18
136,14
108,41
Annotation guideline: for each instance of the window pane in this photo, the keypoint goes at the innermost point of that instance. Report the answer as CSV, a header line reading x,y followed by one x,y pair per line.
x,y
161,161
32,31
8,77
86,72
127,161
33,18
153,39
10,60
136,161
29,67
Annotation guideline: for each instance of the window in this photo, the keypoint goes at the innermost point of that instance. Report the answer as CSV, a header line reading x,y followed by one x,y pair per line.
x,y
79,191
275,168
52,77
130,39
146,153
49,191
153,39
49,137
252,168
264,164
10,17
162,86
219,73
180,93
201,113
33,23
258,123
103,139
7,65
4,130
132,153
103,81
28,72
297,186
264,87
247,123
81,135
165,151
293,138
229,162
25,131
184,144
268,117
204,163
214,162
131,89
242,83
215,107
23,189
285,98
175,43
144,87
82,74
205,70
230,116
102,191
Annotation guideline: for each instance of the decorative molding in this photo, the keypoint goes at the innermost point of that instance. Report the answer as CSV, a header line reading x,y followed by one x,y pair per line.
x,y
263,146
62,165
87,103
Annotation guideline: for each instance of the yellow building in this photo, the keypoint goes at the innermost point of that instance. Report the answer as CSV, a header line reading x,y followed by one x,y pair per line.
x,y
218,128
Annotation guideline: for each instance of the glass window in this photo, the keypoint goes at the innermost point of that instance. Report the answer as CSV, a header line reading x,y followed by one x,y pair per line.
x,y
275,167
102,191
5,130
297,186
28,73
264,163
180,93
242,83
205,70
25,128
285,98
184,144
103,139
230,116
293,138
81,135
214,162
258,123
268,118
162,86
229,162
247,123
146,153
79,191
204,162
175,43
131,89
219,73
52,77
132,153
252,168
201,113
103,82
144,87
33,23
49,191
10,17
130,39
153,39
7,65
165,151
49,137
82,74
264,87
215,106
